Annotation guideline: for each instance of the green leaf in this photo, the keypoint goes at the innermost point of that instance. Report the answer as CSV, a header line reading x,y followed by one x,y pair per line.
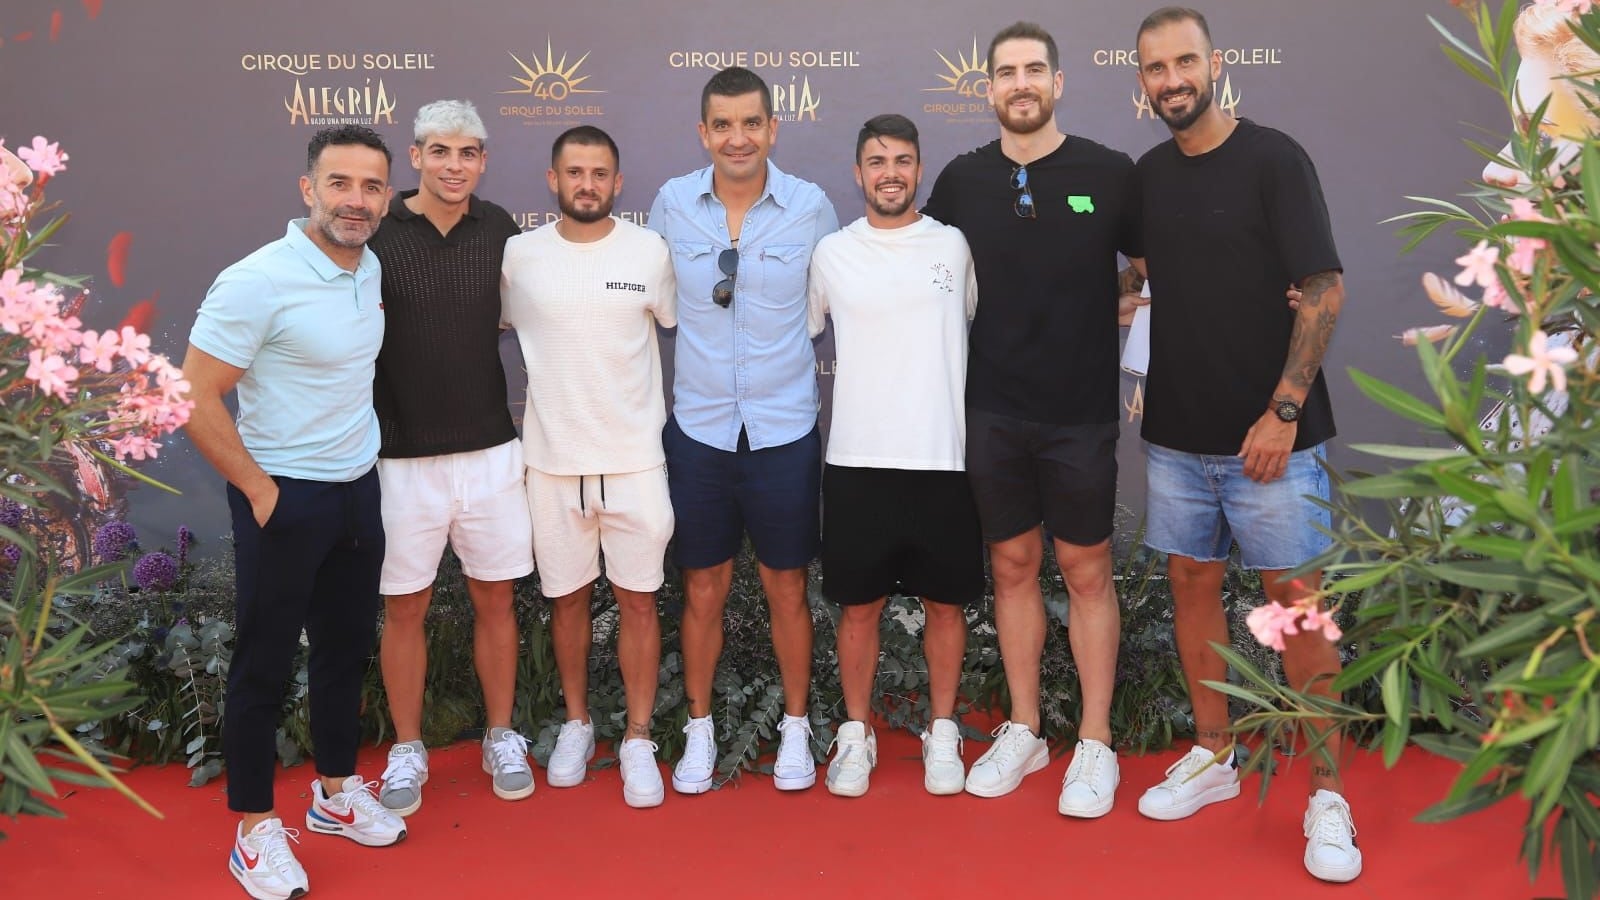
x,y
1575,858
1396,400
1395,702
1409,453
1478,797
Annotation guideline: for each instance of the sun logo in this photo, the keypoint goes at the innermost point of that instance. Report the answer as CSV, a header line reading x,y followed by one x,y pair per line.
x,y
968,76
549,78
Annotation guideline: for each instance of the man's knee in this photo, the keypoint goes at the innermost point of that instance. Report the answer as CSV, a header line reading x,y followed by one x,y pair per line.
x,y
1016,560
407,610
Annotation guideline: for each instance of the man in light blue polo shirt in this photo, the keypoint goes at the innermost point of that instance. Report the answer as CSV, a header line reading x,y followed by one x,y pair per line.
x,y
296,327
743,452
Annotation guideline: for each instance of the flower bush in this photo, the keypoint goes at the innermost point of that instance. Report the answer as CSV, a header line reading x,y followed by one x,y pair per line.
x,y
74,403
1475,594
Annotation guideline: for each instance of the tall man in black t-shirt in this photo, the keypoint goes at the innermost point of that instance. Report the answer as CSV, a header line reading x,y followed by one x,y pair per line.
x,y
1236,407
450,465
1046,215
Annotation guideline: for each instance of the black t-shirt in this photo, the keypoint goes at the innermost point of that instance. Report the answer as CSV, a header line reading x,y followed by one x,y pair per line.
x,y
1225,233
1044,340
439,386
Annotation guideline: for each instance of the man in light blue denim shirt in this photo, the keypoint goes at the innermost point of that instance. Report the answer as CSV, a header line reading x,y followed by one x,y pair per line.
x,y
743,452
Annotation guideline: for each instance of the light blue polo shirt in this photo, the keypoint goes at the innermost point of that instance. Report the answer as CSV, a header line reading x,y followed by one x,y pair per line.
x,y
307,334
750,365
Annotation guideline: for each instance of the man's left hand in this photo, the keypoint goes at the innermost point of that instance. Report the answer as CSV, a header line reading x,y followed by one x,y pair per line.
x,y
1267,446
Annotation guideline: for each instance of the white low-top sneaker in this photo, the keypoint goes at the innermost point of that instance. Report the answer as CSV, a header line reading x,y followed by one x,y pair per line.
x,y
569,761
1015,754
1331,851
1091,781
856,753
694,772
641,777
1192,782
263,863
354,813
943,772
795,768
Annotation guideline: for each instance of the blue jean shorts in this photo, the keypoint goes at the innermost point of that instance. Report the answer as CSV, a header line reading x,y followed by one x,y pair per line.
x,y
1199,505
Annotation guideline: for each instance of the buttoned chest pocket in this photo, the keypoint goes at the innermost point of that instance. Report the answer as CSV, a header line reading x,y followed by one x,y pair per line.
x,y
783,275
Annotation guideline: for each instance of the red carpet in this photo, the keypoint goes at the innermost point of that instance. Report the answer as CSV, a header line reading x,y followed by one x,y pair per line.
x,y
751,840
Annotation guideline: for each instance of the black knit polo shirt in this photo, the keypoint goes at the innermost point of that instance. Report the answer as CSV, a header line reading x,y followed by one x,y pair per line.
x,y
440,387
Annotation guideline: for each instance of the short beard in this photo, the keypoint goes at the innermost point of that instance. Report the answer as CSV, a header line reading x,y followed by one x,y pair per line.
x,y
1202,102
1019,125
889,212
586,217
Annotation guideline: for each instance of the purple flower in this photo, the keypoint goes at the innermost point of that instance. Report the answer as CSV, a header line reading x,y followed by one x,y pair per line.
x,y
13,554
10,514
155,572
185,541
115,541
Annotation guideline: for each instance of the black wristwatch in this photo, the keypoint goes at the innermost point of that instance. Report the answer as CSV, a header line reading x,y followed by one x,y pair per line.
x,y
1287,410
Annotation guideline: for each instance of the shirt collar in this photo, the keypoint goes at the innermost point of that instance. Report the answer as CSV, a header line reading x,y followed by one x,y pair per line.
x,y
325,268
399,210
780,187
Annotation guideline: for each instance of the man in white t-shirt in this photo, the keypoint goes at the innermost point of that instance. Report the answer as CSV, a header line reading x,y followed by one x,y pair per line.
x,y
897,512
585,296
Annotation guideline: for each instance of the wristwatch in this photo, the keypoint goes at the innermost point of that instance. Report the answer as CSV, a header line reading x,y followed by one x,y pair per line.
x,y
1287,410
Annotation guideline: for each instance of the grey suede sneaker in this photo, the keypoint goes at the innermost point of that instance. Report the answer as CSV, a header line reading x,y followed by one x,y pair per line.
x,y
404,777
505,756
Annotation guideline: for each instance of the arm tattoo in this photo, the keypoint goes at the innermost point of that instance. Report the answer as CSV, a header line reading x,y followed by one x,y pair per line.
x,y
1322,295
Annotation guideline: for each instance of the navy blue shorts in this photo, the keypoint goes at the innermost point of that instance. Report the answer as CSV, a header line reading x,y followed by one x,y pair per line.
x,y
773,494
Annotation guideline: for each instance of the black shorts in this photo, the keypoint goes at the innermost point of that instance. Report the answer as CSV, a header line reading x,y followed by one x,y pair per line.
x,y
888,531
1024,473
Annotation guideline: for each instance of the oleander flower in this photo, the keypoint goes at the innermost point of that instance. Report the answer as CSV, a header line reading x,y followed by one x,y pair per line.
x,y
1542,363
1477,266
43,157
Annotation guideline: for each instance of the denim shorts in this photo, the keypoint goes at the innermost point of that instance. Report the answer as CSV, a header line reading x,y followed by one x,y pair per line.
x,y
1198,505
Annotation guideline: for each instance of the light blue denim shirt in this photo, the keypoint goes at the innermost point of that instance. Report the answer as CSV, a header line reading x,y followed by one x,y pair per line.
x,y
307,334
751,364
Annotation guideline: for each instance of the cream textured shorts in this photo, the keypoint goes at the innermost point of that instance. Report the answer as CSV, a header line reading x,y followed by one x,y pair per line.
x,y
575,517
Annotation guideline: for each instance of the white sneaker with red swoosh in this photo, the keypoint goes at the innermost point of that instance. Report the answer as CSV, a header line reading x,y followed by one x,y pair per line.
x,y
264,864
355,813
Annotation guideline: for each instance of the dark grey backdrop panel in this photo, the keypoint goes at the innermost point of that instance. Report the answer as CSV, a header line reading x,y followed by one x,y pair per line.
x,y
187,125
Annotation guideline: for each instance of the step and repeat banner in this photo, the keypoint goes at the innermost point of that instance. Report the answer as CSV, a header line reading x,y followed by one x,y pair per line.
x,y
187,124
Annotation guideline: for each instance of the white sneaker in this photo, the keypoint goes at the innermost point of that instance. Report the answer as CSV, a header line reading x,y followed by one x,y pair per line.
x,y
569,761
1091,781
403,778
264,864
795,769
641,777
354,813
505,758
1192,782
851,768
1014,754
1331,852
943,772
694,772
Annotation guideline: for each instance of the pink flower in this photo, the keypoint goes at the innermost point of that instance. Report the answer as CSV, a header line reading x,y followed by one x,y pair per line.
x,y
1270,622
135,446
1477,266
43,157
1523,210
1495,297
99,350
135,347
1571,7
1525,251
1318,619
1542,361
51,373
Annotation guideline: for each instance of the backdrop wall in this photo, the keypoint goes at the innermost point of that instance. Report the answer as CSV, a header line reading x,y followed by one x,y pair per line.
x,y
187,125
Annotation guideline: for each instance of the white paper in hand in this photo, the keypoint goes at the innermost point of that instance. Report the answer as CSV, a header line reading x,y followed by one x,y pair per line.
x,y
1136,352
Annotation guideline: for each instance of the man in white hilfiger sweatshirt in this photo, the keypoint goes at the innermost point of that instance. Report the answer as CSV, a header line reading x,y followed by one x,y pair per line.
x,y
585,295
897,512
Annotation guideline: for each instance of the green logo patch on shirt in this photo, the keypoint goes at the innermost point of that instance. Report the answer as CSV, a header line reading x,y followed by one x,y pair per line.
x,y
1080,203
